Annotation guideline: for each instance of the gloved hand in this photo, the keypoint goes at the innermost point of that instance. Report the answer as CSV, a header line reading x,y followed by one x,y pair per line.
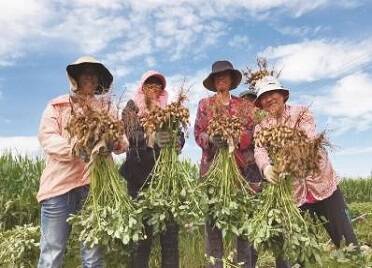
x,y
270,175
107,148
110,146
83,155
162,138
218,141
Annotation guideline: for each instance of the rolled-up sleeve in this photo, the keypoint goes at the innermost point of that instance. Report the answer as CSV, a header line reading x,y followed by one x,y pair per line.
x,y
260,154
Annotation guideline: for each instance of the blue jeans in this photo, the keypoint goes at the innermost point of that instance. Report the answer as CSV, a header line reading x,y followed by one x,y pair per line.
x,y
55,230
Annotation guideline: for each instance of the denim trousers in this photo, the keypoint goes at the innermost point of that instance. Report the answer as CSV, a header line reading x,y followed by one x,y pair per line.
x,y
55,230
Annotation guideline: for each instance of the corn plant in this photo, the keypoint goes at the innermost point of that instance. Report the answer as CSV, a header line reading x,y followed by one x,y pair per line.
x,y
19,180
357,190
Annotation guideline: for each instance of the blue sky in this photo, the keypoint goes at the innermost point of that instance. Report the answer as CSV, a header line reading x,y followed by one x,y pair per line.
x,y
323,47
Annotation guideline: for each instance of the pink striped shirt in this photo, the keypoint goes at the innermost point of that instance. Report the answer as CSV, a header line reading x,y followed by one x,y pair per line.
x,y
63,171
318,187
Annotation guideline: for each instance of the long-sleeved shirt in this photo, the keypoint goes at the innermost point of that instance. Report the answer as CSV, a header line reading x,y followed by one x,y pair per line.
x,y
311,188
63,171
244,152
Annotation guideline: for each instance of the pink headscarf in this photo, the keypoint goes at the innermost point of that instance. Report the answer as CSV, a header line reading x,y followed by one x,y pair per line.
x,y
139,97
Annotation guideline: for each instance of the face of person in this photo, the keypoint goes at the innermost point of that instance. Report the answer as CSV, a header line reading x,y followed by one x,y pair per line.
x,y
87,81
273,102
222,81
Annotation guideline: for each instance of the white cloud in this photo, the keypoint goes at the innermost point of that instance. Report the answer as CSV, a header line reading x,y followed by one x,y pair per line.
x,y
300,31
20,20
319,59
296,7
105,4
172,32
138,45
350,4
91,30
175,28
239,41
20,145
348,104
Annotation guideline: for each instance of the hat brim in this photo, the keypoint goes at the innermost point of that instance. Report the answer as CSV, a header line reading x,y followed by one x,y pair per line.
x,y
236,77
160,77
105,78
283,91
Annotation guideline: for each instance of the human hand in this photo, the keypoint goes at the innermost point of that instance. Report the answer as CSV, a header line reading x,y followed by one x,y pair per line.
x,y
83,155
162,138
269,174
218,141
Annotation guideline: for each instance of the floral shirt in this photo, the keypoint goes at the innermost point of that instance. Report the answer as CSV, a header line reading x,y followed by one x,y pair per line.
x,y
244,152
312,188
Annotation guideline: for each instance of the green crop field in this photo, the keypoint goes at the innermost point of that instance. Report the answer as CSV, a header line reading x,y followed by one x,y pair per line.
x,y
19,224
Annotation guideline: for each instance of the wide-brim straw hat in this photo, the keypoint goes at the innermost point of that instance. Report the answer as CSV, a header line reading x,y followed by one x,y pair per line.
x,y
268,84
219,67
104,76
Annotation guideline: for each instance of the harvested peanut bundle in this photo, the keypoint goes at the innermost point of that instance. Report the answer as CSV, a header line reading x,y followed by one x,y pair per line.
x,y
227,194
291,151
279,225
253,76
228,127
91,129
108,214
172,193
130,119
172,117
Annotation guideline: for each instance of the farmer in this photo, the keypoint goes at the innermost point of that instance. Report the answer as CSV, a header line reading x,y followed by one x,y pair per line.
x,y
64,183
319,194
221,80
141,157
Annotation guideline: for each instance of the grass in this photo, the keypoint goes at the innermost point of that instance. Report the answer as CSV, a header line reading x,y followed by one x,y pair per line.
x,y
19,180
